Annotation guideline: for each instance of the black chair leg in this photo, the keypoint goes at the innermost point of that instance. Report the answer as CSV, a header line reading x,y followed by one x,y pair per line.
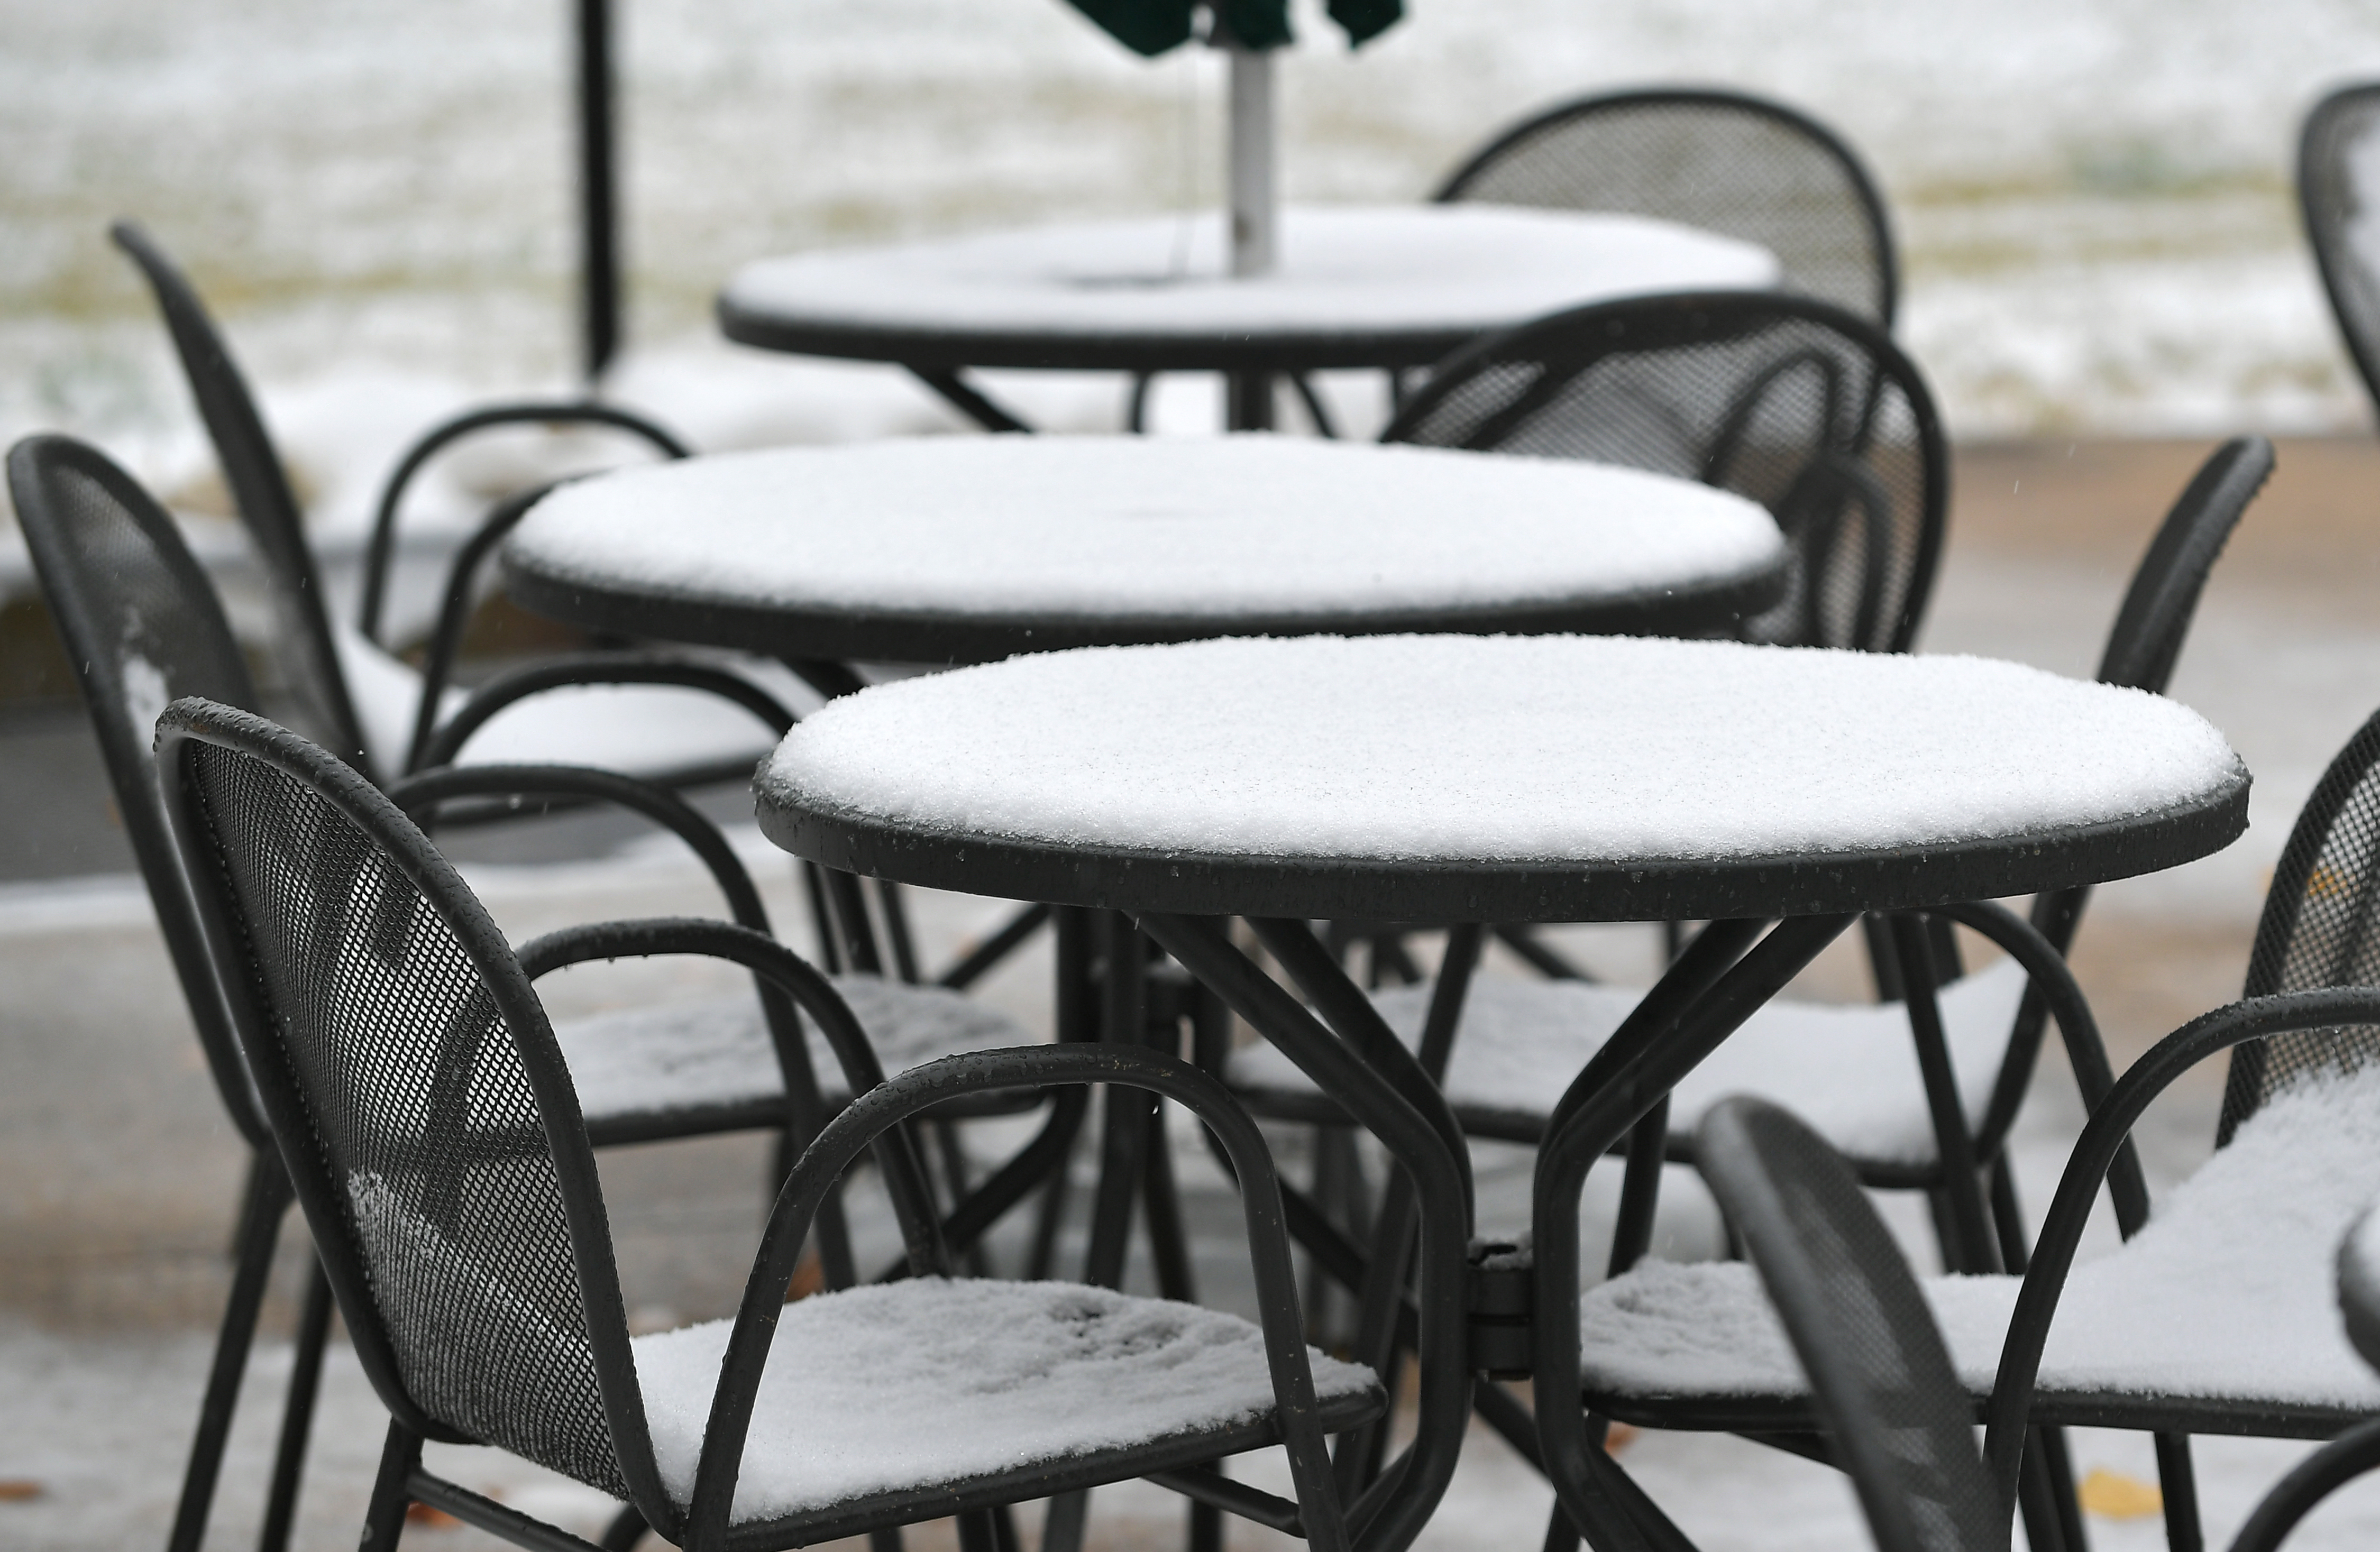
x,y
1560,1535
384,1520
2178,1480
298,1412
266,1198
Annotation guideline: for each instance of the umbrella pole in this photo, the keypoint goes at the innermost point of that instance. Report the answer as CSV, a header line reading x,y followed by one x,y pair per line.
x,y
1248,394
1253,204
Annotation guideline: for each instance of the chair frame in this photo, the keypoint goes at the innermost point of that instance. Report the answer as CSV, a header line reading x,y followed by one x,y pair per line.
x,y
1593,332
1561,116
873,1120
268,508
2321,202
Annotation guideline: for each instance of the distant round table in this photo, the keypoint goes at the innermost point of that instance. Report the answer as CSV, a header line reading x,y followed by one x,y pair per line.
x,y
1355,286
971,549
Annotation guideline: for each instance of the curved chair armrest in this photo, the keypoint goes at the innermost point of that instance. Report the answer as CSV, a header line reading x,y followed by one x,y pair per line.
x,y
449,432
2054,992
426,790
455,612
594,668
887,1105
2311,1480
2252,1019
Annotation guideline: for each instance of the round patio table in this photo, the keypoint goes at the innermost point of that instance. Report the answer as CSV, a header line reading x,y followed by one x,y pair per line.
x,y
1466,779
1354,286
971,549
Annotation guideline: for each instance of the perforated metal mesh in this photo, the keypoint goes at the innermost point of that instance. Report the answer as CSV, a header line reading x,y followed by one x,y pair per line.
x,y
422,1119
1883,1381
2321,928
1718,163
1789,410
2342,201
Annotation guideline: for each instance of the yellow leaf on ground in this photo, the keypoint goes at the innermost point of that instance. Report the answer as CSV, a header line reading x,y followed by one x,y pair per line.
x,y
429,1517
19,1490
2117,1497
1618,1436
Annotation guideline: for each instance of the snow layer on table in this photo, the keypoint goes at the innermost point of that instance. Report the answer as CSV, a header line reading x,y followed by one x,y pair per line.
x,y
2226,1292
1542,748
1117,527
1342,268
1850,1071
933,1380
642,730
716,1051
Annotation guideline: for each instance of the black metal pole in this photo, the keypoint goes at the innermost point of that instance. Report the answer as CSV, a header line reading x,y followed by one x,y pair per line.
x,y
599,277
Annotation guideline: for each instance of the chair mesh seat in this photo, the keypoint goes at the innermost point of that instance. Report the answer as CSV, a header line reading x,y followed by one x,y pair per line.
x,y
716,1051
2225,1296
937,1381
1850,1071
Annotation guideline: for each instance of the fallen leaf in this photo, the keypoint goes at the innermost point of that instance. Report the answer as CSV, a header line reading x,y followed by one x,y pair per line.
x,y
429,1518
1617,1437
2113,1495
810,1277
19,1489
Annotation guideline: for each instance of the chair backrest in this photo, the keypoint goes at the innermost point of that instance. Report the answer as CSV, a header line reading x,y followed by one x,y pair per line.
x,y
1896,1416
420,1103
1722,159
143,627
2321,928
1808,409
2339,191
259,490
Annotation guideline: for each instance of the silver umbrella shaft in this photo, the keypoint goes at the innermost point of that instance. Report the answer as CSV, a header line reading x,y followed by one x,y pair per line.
x,y
1254,207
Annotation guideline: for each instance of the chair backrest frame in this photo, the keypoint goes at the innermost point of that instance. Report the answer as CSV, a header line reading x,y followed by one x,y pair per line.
x,y
260,489
414,892
1880,1374
2331,201
142,626
2320,927
1476,178
1752,347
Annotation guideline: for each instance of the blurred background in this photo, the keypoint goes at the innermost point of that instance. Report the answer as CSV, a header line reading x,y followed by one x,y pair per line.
x,y
2104,274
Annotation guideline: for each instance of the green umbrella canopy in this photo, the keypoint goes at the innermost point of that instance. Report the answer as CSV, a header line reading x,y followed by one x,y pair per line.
x,y
1152,27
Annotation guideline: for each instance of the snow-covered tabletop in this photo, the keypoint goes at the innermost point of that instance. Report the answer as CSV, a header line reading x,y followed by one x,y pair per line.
x,y
973,548
1355,286
1500,777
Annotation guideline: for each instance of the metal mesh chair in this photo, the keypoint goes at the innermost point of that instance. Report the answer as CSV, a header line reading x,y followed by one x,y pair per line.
x,y
378,712
143,626
1807,409
1722,159
2292,1171
1894,1414
2340,200
2321,928
434,1135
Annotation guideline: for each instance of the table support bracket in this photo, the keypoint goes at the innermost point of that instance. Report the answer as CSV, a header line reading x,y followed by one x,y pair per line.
x,y
966,398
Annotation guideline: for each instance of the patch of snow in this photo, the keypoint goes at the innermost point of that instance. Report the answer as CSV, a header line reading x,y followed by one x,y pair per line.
x,y
717,1051
1342,269
1122,527
933,1380
1605,750
1850,1071
2225,1294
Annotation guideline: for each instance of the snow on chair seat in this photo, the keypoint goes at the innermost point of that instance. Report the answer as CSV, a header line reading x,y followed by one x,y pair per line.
x,y
655,732
2224,1298
715,1054
1851,1071
980,1378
